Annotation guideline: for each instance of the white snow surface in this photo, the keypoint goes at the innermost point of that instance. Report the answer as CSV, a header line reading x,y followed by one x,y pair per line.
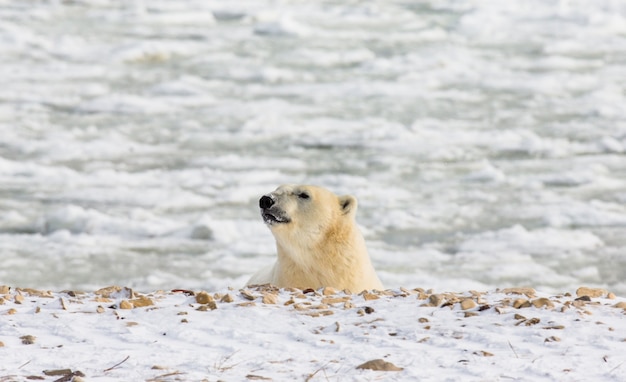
x,y
484,139
89,336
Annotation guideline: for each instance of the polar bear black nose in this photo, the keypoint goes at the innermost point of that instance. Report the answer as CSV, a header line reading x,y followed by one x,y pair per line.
x,y
266,202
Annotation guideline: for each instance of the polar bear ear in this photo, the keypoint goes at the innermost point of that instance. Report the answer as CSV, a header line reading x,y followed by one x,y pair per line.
x,y
348,204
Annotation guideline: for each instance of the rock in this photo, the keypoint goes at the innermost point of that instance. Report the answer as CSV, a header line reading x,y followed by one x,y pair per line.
x,y
335,300
35,292
125,304
142,301
227,298
204,298
28,340
379,365
611,296
115,292
329,291
1,344
435,300
621,305
591,292
11,311
528,292
5,289
483,353
100,309
370,296
541,302
270,298
521,303
247,295
468,304
18,298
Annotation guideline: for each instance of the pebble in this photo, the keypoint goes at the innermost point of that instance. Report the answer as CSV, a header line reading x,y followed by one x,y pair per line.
x,y
541,302
329,291
142,301
125,304
591,292
5,289
227,298
379,365
521,303
528,292
621,305
204,298
270,298
468,304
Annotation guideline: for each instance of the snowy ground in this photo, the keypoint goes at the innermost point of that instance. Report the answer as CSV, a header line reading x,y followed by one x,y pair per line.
x,y
116,334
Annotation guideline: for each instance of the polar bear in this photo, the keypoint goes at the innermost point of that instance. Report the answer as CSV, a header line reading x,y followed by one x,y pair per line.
x,y
317,241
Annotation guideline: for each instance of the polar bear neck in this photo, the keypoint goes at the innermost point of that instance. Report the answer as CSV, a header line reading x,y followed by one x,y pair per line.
x,y
326,262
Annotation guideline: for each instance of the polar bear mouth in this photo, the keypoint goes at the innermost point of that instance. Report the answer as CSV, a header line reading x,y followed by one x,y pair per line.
x,y
273,218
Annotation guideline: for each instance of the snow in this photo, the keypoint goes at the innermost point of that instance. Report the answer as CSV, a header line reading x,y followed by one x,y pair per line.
x,y
315,335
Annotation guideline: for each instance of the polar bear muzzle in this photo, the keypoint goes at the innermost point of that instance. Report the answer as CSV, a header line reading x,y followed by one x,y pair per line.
x,y
271,214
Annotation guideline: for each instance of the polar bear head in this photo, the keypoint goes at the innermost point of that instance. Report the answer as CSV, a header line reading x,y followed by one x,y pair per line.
x,y
306,214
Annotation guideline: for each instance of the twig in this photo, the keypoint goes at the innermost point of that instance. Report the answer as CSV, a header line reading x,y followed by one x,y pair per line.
x,y
514,352
114,366
613,369
25,364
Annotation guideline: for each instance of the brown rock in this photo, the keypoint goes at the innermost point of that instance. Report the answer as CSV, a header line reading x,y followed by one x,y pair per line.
x,y
542,302
204,298
468,304
521,303
611,296
5,289
35,292
335,300
142,301
28,340
591,292
528,292
435,300
18,298
247,295
270,298
329,291
370,296
379,365
100,309
621,305
125,304
108,292
1,344
227,298
11,311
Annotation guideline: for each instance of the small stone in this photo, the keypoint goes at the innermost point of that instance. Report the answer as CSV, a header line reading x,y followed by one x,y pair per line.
x,y
528,292
204,298
247,295
552,339
142,301
483,353
5,289
379,365
370,296
329,291
423,320
621,305
542,302
611,296
100,309
57,372
270,298
125,304
519,317
227,298
468,304
368,310
18,299
349,305
335,300
591,292
1,344
435,300
470,314
115,291
521,303
28,340
11,311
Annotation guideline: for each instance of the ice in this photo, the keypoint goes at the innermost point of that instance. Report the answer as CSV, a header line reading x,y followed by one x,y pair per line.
x,y
484,140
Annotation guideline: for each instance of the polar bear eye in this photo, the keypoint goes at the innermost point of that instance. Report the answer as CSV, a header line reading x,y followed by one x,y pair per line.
x,y
303,195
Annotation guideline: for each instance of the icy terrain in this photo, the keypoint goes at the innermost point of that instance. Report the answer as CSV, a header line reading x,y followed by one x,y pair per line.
x,y
485,140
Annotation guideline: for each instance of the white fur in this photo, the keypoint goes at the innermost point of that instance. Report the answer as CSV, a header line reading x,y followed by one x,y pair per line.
x,y
320,245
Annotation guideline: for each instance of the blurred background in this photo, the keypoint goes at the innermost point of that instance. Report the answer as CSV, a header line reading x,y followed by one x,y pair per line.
x,y
485,140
